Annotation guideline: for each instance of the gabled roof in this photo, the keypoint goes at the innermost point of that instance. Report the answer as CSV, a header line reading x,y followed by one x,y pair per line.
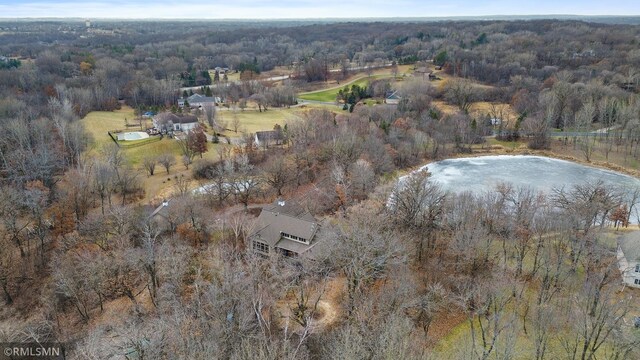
x,y
197,98
289,218
167,117
268,135
394,96
186,119
630,246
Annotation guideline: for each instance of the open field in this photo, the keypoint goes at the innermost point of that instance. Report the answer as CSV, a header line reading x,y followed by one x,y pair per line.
x,y
403,71
231,75
253,120
480,109
330,94
98,123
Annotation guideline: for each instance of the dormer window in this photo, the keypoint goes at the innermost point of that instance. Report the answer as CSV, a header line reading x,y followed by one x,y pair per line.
x,y
294,238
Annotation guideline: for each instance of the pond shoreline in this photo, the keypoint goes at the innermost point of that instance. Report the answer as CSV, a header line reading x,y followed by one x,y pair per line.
x,y
544,153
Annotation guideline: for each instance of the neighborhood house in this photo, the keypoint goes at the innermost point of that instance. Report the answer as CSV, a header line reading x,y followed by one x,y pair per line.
x,y
393,98
198,101
629,259
266,138
168,122
284,228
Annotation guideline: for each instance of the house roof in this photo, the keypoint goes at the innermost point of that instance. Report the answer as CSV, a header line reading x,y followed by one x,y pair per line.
x,y
197,98
394,96
630,246
285,217
186,119
268,135
167,117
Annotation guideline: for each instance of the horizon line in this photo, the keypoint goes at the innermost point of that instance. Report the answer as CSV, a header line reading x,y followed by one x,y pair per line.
x,y
319,18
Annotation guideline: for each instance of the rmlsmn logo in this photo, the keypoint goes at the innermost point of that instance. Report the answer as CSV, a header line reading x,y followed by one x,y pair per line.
x,y
28,351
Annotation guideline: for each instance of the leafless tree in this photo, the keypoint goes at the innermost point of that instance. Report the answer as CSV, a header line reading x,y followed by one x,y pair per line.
x,y
278,173
210,112
167,161
363,179
364,251
104,180
418,205
461,93
149,162
243,181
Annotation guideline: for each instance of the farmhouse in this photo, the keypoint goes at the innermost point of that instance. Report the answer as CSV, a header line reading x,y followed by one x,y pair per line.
x,y
629,258
167,122
284,228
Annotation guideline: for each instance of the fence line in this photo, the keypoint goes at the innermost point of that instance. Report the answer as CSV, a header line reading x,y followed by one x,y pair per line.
x,y
130,146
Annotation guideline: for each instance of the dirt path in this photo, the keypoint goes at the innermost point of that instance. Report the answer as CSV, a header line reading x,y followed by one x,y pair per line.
x,y
327,313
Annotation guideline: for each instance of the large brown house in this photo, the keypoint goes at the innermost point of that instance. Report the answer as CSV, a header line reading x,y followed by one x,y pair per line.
x,y
284,228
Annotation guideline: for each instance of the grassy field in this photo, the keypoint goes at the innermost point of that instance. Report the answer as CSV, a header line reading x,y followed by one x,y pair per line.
x,y
479,109
231,75
329,95
253,120
98,123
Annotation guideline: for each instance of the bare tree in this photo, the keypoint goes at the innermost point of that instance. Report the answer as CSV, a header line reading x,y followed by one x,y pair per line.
x,y
149,162
278,173
243,181
363,179
364,249
461,93
167,161
210,112
104,179
418,205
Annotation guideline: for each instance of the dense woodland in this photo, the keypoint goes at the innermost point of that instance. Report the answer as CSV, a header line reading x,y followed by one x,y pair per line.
x,y
526,275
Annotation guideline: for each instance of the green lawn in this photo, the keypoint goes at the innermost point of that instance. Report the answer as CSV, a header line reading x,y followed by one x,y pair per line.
x,y
253,120
98,123
329,95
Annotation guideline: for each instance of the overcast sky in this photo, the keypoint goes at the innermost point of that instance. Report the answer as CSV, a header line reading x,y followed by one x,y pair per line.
x,y
280,9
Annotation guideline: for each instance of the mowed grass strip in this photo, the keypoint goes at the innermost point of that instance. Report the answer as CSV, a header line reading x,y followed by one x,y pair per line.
x,y
329,95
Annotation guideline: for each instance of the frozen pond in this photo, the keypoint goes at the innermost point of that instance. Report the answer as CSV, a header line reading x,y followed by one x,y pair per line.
x,y
136,135
484,173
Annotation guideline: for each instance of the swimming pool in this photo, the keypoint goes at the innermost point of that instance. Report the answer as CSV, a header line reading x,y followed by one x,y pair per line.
x,y
136,135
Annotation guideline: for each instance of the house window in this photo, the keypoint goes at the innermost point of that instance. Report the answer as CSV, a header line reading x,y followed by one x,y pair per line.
x,y
637,267
262,247
636,281
293,237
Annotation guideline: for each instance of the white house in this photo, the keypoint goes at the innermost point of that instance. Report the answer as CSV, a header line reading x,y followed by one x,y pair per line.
x,y
171,122
198,101
629,258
